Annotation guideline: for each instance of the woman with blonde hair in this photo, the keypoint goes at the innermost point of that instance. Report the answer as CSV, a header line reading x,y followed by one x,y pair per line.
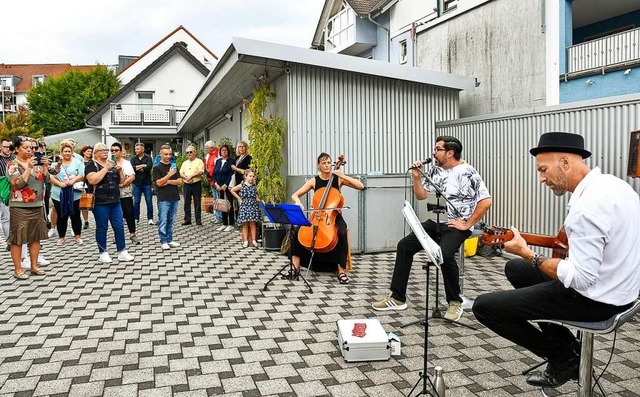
x,y
105,176
66,198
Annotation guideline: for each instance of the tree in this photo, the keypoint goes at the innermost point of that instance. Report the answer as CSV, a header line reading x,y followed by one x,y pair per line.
x,y
19,123
62,104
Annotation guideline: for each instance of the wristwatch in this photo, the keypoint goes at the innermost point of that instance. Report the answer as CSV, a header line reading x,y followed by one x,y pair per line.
x,y
535,261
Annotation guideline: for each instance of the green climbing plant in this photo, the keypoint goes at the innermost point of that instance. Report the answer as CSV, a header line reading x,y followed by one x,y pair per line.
x,y
266,135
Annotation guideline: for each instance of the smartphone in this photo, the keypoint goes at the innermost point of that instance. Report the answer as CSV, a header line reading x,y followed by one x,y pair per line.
x,y
56,159
113,157
38,157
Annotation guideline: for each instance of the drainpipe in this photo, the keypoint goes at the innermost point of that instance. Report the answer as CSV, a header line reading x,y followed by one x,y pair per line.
x,y
103,131
388,36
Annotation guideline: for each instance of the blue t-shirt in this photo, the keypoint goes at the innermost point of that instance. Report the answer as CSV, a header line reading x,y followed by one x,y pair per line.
x,y
68,172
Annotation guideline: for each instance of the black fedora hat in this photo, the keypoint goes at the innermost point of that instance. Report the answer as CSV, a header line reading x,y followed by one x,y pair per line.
x,y
562,142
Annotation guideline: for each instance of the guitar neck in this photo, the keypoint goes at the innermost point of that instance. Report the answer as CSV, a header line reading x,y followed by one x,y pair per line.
x,y
540,240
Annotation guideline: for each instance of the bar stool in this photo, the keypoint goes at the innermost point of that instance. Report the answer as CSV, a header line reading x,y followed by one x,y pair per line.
x,y
587,330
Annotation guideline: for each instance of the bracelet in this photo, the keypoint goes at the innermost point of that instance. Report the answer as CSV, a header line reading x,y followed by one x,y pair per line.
x,y
535,261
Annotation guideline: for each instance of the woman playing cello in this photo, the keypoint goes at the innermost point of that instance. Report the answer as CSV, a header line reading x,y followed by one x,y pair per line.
x,y
340,251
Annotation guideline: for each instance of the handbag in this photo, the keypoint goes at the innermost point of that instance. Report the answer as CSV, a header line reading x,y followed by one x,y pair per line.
x,y
222,205
87,200
79,186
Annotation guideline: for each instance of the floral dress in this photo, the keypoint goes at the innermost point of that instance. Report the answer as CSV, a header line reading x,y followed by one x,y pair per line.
x,y
249,210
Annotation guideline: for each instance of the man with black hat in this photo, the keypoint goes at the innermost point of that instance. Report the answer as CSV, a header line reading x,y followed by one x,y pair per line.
x,y
598,279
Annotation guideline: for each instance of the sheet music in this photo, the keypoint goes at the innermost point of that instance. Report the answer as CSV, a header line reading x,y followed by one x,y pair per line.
x,y
430,247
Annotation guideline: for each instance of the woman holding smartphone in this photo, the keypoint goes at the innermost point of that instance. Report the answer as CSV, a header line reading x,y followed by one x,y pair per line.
x,y
105,176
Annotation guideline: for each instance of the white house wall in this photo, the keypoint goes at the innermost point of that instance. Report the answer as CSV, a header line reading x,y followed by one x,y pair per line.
x,y
177,75
498,146
192,46
405,12
480,43
380,125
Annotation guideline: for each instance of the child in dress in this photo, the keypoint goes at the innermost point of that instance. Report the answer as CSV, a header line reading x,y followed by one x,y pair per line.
x,y
249,211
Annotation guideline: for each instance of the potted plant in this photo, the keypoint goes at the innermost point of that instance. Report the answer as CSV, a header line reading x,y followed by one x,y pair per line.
x,y
266,135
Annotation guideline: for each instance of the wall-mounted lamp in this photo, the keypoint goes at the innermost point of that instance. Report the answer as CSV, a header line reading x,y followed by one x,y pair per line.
x,y
627,71
589,82
228,115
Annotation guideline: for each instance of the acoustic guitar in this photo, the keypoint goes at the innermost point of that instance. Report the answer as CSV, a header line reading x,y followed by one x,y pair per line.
x,y
497,236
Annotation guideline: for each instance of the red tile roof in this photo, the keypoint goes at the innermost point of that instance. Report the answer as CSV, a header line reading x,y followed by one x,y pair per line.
x,y
26,72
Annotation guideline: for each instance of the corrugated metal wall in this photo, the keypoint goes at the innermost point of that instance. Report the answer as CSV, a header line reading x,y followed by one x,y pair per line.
x,y
380,125
498,146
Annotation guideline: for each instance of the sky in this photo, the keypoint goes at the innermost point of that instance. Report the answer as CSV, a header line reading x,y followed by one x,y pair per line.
x,y
86,32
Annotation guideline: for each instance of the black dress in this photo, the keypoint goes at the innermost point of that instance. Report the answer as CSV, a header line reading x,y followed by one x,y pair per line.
x,y
327,261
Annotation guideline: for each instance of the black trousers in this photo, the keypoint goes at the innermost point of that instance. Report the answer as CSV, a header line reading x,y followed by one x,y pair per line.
x,y
449,241
128,213
63,222
192,190
535,297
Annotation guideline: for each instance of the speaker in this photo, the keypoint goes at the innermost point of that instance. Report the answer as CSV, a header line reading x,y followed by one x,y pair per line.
x,y
633,168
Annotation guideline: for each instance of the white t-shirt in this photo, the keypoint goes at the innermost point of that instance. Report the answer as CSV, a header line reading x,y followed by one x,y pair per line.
x,y
461,185
603,229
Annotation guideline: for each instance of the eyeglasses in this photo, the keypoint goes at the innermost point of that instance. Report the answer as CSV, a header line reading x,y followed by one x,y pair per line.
x,y
115,150
102,150
33,147
437,149
190,151
6,146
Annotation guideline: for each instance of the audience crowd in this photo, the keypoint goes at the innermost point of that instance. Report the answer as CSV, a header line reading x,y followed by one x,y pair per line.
x,y
31,179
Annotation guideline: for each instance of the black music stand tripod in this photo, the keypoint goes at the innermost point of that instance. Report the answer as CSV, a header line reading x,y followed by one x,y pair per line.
x,y
286,214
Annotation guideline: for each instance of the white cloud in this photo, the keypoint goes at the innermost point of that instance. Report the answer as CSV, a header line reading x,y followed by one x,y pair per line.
x,y
83,32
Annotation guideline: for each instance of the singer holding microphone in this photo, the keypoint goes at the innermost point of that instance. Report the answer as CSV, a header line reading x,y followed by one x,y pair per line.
x,y
465,191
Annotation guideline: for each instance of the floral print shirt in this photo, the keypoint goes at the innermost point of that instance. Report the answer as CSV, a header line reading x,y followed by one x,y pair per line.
x,y
29,194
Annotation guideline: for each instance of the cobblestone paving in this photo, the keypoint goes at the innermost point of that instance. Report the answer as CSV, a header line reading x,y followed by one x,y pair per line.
x,y
195,321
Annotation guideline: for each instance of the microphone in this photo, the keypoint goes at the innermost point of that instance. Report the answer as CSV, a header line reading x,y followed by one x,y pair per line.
x,y
427,161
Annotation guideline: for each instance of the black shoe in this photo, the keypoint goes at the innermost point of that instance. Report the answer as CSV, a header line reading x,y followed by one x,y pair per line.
x,y
186,223
556,375
199,223
86,225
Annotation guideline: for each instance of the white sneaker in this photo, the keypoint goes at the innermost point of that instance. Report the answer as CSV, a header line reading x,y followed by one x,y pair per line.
x,y
42,261
165,246
245,244
173,244
124,256
151,222
105,258
221,228
255,243
454,312
52,233
228,228
25,263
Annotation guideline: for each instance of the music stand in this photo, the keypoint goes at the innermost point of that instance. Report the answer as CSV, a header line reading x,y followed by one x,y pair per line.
x,y
434,252
286,214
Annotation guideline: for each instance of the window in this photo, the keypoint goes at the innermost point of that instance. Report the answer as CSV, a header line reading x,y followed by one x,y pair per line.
x,y
403,51
145,100
38,79
449,5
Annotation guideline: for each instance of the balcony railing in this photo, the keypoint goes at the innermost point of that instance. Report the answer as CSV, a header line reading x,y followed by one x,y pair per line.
x,y
607,51
347,34
143,114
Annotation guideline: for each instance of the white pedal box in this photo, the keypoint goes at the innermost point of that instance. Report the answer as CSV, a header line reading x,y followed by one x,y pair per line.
x,y
363,340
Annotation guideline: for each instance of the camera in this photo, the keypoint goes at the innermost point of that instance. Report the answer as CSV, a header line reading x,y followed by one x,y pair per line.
x,y
38,157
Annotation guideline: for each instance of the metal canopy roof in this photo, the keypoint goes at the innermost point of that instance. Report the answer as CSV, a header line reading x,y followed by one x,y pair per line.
x,y
235,76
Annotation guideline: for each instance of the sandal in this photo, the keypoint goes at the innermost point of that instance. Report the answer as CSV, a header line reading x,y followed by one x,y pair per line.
x,y
38,272
292,274
21,276
343,278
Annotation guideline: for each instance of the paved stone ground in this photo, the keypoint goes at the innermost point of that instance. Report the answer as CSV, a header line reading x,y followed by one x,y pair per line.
x,y
194,321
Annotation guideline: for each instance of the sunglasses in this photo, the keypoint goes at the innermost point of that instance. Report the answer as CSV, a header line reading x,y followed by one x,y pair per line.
x,y
115,150
190,151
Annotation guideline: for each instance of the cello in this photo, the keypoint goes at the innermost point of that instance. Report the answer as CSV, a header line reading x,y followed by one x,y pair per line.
x,y
322,235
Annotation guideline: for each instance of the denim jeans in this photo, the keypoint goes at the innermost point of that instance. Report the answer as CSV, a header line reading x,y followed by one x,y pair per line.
x,y
103,214
166,214
137,195
4,218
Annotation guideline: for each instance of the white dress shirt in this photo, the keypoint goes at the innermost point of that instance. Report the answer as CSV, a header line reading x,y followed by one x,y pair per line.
x,y
603,229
